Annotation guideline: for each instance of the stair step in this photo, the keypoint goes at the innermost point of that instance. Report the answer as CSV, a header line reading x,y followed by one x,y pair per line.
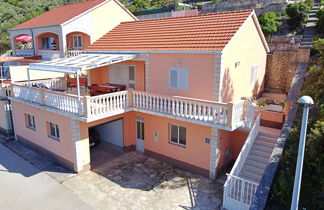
x,y
263,148
252,169
264,144
257,164
260,138
307,39
256,158
268,134
260,153
306,43
250,177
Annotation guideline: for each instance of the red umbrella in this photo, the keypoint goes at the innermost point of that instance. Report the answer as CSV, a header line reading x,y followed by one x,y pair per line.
x,y
23,38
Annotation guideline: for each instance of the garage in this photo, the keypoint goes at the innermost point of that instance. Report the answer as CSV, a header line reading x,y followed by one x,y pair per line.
x,y
111,132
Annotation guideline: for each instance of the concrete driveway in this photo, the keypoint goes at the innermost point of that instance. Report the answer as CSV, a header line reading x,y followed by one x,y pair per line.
x,y
23,186
135,181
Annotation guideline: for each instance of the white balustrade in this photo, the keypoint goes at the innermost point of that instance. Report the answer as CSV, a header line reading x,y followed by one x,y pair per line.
x,y
110,103
182,107
64,102
73,53
234,197
238,193
49,83
237,115
27,93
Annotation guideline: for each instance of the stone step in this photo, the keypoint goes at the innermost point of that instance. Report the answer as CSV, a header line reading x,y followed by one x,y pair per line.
x,y
257,159
257,164
306,47
306,43
260,153
262,147
307,39
253,169
261,133
250,176
263,138
264,144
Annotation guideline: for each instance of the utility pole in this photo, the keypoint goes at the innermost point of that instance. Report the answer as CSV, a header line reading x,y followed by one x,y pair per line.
x,y
307,102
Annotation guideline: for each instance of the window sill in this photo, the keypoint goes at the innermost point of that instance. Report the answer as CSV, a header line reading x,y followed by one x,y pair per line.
x,y
179,145
54,137
31,128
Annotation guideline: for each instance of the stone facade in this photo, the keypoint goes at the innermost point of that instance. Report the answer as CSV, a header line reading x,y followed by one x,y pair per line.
x,y
282,62
260,6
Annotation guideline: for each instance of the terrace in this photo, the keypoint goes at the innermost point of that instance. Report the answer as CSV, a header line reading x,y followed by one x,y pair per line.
x,y
97,100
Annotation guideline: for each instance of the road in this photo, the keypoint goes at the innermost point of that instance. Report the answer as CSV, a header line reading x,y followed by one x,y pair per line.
x,y
22,186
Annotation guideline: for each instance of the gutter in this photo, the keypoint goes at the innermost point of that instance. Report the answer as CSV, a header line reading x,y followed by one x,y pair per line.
x,y
157,51
33,27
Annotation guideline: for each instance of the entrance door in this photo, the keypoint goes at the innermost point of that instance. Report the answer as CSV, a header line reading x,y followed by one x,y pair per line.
x,y
140,135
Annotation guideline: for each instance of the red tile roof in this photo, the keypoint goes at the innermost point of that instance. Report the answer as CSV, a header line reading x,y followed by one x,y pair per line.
x,y
208,32
59,15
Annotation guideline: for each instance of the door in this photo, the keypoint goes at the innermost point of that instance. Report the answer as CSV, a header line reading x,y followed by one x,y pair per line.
x,y
77,42
112,133
140,135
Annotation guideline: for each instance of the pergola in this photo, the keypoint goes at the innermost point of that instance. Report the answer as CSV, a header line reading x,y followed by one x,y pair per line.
x,y
82,62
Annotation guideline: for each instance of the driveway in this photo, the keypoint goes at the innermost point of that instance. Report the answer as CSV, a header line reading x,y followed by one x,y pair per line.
x,y
23,186
135,181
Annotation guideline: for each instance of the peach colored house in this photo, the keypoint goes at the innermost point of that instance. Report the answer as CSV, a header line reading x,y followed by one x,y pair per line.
x,y
176,89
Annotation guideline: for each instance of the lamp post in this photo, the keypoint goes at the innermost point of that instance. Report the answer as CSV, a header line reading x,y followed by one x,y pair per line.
x,y
307,102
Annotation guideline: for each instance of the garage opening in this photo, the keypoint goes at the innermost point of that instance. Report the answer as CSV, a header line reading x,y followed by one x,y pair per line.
x,y
106,142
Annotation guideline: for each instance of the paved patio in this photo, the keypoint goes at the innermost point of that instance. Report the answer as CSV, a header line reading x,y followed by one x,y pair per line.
x,y
135,181
120,180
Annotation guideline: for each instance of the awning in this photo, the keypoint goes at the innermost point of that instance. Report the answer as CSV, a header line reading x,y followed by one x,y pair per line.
x,y
81,62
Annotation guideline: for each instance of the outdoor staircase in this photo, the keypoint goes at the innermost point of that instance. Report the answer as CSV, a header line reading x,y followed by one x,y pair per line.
x,y
243,180
307,39
258,157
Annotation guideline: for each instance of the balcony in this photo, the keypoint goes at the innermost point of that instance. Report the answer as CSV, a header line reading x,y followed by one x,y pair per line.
x,y
227,116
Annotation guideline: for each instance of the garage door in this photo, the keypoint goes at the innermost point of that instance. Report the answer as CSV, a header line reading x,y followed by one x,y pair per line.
x,y
112,133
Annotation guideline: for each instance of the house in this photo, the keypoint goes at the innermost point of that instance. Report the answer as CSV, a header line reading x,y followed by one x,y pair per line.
x,y
61,32
176,89
65,30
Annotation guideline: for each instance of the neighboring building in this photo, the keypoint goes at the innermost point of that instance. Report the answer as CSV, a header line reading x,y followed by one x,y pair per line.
x,y
65,30
187,82
61,32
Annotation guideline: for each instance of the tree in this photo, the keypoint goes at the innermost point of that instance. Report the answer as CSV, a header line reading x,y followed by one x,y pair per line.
x,y
297,14
320,22
268,22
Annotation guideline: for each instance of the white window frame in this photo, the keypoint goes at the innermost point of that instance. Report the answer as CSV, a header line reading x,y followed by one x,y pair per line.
x,y
78,44
170,135
182,78
31,121
56,135
254,74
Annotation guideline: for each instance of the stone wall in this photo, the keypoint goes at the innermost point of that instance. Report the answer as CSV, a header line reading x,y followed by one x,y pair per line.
x,y
282,62
260,6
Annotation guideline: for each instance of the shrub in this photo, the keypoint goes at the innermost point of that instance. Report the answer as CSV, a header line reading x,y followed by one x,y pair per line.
x,y
320,22
309,3
297,14
268,22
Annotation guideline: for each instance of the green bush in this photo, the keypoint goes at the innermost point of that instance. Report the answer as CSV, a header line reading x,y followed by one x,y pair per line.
x,y
312,188
268,22
320,22
297,14
322,3
309,3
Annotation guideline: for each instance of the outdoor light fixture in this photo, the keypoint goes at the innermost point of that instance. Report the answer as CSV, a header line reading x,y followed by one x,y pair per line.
x,y
307,102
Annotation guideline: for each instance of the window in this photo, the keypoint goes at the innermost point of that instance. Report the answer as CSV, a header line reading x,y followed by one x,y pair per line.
x,y
49,43
30,121
54,131
178,78
178,135
77,42
254,74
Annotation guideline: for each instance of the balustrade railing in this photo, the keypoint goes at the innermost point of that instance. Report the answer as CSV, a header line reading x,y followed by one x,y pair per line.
x,y
49,83
73,53
224,114
207,111
238,192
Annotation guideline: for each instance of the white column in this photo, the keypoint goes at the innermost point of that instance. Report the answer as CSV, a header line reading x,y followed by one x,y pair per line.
x,y
214,152
76,145
78,85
